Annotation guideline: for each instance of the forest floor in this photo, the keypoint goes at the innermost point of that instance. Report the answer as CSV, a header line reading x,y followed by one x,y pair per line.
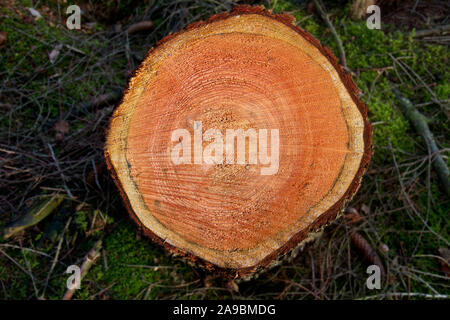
x,y
58,88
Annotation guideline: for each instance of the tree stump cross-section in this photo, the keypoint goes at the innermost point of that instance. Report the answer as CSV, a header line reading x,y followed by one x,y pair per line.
x,y
236,138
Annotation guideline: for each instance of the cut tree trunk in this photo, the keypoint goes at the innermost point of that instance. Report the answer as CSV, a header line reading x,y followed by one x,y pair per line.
x,y
250,70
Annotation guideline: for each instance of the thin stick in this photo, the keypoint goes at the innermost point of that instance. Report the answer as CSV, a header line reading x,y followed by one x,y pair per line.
x,y
17,264
55,260
36,291
63,177
324,16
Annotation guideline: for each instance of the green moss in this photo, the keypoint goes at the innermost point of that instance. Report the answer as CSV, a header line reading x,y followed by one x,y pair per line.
x,y
125,253
81,220
27,58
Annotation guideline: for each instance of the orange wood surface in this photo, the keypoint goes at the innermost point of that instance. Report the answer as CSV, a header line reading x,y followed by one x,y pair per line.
x,y
247,69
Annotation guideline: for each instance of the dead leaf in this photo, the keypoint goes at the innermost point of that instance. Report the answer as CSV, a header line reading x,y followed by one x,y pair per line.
x,y
365,209
40,70
208,282
55,53
352,215
61,128
2,37
27,19
34,13
80,206
383,247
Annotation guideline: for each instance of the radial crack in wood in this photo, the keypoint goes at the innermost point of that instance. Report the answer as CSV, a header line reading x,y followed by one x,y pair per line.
x,y
236,138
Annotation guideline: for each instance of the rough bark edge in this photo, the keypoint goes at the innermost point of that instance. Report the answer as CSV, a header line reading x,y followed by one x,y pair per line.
x,y
300,238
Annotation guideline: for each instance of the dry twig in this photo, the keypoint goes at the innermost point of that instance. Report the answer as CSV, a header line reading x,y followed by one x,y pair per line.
x,y
340,46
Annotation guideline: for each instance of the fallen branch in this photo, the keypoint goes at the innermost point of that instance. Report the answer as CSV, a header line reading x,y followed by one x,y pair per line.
x,y
90,259
420,123
324,16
